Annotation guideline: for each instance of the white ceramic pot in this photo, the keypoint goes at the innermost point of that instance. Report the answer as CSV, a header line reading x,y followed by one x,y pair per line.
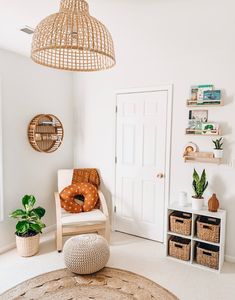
x,y
197,204
27,246
218,153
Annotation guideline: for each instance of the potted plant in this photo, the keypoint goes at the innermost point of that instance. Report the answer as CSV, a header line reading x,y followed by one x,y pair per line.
x,y
28,227
218,150
200,184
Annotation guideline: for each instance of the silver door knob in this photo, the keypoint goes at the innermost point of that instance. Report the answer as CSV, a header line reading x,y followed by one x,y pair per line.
x,y
160,175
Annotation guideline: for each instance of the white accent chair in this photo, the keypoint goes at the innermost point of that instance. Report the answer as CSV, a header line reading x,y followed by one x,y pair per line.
x,y
69,224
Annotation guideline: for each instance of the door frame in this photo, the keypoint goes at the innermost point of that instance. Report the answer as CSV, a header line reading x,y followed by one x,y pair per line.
x,y
169,89
1,156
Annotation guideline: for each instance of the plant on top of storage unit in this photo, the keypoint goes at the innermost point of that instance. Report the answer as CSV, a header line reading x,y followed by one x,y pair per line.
x,y
200,184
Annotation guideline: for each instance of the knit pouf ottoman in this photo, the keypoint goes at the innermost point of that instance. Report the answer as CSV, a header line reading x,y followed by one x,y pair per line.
x,y
86,253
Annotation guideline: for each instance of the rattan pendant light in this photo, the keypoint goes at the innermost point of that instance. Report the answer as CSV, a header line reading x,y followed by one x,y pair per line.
x,y
73,40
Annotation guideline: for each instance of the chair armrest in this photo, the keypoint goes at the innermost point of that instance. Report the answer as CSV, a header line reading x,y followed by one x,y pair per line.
x,y
103,204
58,208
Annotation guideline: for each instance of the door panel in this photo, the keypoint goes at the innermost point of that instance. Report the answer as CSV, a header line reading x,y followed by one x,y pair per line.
x,y
141,155
149,145
148,206
128,144
128,197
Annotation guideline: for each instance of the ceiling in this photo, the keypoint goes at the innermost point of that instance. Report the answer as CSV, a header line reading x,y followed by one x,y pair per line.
x,y
15,14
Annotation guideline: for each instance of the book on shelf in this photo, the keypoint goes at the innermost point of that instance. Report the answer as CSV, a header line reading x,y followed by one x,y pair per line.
x,y
204,95
212,96
201,90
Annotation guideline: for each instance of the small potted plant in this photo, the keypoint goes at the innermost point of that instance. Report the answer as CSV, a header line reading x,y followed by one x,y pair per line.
x,y
28,227
218,150
200,184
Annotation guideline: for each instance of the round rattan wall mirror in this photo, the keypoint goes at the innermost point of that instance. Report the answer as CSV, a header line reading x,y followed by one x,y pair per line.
x,y
45,133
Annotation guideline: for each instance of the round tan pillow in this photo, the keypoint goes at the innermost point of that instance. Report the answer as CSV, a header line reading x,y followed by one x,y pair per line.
x,y
87,190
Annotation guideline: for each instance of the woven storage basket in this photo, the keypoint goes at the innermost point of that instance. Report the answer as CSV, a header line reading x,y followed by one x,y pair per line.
x,y
179,248
180,222
208,229
27,246
207,255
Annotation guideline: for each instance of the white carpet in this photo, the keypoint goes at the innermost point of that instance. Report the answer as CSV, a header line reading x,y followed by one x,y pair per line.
x,y
133,254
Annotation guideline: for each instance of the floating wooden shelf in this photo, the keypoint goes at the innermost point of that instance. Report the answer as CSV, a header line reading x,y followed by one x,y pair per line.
x,y
205,105
215,132
45,133
205,157
211,160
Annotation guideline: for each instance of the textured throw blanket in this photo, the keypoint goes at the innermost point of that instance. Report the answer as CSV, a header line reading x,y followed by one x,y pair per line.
x,y
86,175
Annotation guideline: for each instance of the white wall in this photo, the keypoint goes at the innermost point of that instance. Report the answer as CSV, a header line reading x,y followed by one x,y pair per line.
x,y
27,90
159,42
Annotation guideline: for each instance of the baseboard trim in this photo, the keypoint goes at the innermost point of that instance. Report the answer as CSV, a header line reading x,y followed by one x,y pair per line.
x,y
49,229
230,259
7,248
11,246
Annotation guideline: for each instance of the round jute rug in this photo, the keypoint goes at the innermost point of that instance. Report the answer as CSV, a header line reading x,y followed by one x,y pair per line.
x,y
107,284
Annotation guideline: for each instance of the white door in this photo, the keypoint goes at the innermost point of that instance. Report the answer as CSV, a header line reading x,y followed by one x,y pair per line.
x,y
141,144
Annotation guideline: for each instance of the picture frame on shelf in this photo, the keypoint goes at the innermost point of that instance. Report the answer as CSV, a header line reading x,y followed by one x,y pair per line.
x,y
199,115
210,128
212,97
196,118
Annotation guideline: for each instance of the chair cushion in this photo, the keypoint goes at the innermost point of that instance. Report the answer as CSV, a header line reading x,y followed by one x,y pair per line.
x,y
93,217
87,190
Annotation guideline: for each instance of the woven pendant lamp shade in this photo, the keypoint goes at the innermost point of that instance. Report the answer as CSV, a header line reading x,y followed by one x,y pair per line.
x,y
73,40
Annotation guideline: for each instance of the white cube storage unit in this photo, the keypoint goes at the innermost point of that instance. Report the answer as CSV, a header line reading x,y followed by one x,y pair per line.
x,y
208,250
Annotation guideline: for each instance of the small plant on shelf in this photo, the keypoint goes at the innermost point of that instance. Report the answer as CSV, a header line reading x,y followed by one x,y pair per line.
x,y
29,226
218,150
200,184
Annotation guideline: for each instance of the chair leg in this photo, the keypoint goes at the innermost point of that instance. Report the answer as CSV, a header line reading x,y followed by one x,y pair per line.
x,y
101,232
107,232
59,239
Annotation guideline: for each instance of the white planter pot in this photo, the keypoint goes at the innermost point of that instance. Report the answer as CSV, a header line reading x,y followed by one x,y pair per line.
x,y
197,204
218,153
27,246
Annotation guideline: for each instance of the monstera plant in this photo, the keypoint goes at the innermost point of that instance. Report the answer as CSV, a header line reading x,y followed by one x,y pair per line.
x,y
29,226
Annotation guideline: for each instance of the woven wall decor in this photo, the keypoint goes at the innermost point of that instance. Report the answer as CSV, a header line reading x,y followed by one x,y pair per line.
x,y
73,40
45,133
